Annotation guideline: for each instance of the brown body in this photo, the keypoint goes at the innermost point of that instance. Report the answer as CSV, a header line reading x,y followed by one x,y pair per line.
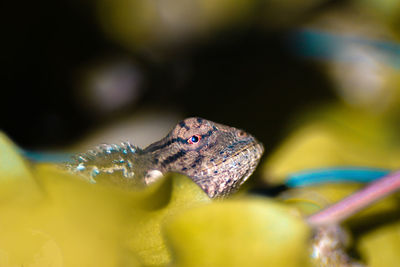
x,y
218,158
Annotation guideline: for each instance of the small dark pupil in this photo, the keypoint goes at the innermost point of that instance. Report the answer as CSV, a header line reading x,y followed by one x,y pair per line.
x,y
194,139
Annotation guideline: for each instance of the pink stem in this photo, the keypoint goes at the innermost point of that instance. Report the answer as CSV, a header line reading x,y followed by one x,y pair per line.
x,y
357,201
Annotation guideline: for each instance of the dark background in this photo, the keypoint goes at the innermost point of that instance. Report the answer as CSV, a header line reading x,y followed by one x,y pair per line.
x,y
245,76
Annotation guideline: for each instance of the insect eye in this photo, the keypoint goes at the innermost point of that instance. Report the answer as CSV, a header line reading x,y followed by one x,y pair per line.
x,y
194,139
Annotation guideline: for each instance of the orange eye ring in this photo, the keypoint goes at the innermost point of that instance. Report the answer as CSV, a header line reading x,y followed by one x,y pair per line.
x,y
241,133
194,139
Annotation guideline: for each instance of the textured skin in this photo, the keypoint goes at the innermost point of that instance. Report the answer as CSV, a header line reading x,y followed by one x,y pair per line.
x,y
218,158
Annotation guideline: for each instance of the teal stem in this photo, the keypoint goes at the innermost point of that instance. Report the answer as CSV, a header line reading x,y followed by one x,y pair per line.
x,y
326,45
335,175
51,157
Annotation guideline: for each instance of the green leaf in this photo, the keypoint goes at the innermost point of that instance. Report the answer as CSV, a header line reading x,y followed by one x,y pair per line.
x,y
247,232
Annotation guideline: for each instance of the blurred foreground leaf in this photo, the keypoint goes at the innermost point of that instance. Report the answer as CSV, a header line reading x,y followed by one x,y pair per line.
x,y
341,136
49,217
381,246
250,232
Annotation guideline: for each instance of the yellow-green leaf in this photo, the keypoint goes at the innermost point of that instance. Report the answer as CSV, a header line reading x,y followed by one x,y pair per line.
x,y
247,232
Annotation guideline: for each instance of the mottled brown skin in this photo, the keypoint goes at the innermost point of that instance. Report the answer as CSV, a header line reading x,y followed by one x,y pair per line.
x,y
218,158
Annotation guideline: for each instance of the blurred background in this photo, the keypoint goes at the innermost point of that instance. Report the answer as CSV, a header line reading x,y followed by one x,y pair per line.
x,y
76,73
317,81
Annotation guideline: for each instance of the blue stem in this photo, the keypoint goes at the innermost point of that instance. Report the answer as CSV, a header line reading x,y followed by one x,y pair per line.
x,y
335,175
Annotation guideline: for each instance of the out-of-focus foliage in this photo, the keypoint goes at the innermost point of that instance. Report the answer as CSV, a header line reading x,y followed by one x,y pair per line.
x,y
252,232
336,136
137,23
52,218
162,24
387,10
309,200
360,54
339,135
380,246
169,24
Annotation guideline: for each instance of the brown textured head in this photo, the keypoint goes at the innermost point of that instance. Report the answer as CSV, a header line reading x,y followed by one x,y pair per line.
x,y
218,158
